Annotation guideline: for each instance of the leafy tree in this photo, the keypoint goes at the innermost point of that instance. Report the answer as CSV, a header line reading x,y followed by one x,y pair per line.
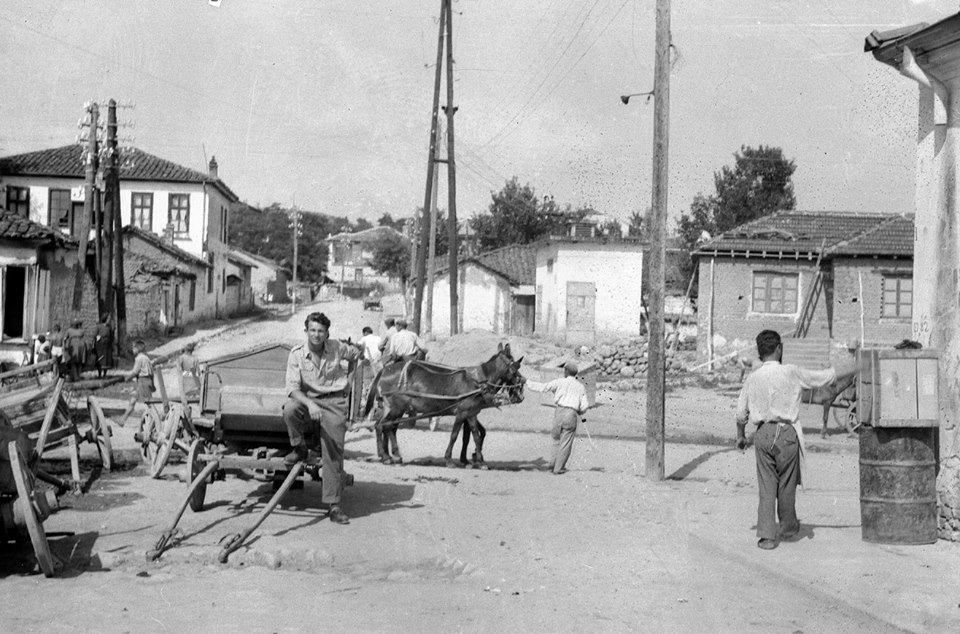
x,y
638,226
391,256
518,216
759,183
268,232
386,220
362,224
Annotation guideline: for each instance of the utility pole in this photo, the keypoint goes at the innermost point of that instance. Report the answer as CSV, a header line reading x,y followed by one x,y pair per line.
x,y
119,285
295,223
111,209
432,253
89,191
425,226
451,179
656,367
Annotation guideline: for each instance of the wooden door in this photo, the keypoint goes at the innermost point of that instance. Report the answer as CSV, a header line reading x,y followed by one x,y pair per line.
x,y
524,315
581,312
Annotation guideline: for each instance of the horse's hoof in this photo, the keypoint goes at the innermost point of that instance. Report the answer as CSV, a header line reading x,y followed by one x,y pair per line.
x,y
483,467
451,464
397,460
386,460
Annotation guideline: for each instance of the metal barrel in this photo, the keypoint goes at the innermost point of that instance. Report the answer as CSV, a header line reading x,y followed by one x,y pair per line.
x,y
898,493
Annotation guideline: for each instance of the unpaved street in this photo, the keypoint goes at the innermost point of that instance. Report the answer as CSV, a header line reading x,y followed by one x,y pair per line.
x,y
514,548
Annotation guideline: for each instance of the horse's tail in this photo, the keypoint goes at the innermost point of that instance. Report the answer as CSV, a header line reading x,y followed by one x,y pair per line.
x,y
372,394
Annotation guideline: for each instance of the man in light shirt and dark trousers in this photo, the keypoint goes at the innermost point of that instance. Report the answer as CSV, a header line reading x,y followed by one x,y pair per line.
x,y
770,399
570,401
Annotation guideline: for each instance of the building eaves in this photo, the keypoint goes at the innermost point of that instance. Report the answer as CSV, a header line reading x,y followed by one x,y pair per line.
x,y
136,165
922,39
367,235
18,228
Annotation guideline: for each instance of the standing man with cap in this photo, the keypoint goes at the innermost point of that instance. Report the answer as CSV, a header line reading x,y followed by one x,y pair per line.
x,y
403,344
317,387
770,399
570,402
391,325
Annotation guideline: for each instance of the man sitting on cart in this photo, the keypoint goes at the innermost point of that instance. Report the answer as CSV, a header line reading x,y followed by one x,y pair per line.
x,y
317,387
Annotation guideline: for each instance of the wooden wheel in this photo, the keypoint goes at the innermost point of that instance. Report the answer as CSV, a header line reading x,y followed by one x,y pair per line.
x,y
165,441
196,466
27,509
149,428
101,432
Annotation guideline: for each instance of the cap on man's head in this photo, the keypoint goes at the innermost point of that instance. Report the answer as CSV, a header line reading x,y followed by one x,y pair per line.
x,y
571,368
402,323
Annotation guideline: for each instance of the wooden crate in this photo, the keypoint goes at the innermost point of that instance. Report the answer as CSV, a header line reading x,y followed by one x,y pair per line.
x,y
899,388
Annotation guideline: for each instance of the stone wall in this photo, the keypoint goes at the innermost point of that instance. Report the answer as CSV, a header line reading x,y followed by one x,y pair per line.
x,y
624,363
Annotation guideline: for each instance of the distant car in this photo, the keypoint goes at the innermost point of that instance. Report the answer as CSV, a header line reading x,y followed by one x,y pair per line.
x,y
372,303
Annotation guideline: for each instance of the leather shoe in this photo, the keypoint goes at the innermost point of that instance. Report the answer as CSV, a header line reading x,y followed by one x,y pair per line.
x,y
767,544
298,454
337,516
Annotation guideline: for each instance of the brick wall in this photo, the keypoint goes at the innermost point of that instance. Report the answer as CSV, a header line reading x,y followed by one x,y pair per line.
x,y
879,330
205,304
733,315
62,281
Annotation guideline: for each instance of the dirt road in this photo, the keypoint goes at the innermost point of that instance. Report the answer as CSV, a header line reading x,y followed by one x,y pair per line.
x,y
600,548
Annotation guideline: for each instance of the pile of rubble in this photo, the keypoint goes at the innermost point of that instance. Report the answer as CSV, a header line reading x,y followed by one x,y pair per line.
x,y
628,359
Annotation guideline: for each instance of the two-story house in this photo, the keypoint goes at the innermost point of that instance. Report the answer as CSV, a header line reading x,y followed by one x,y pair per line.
x,y
349,257
192,208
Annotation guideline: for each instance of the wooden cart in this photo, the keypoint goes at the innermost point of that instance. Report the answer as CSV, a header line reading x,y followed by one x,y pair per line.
x,y
239,429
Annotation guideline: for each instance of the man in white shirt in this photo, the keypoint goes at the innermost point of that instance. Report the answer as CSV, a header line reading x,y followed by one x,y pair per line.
x,y
403,344
570,401
371,347
770,399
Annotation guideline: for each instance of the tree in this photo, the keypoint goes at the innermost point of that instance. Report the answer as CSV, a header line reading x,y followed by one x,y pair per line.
x,y
386,220
517,216
391,256
638,226
362,224
759,183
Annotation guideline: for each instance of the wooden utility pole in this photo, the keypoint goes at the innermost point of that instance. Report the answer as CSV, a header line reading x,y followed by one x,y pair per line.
x,y
656,367
425,226
451,179
113,185
89,191
111,208
432,254
295,223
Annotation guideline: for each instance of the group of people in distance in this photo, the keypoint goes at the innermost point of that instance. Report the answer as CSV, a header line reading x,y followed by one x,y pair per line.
x,y
75,349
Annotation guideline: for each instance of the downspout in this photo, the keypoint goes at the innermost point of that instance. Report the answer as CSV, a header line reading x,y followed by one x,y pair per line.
x,y
910,67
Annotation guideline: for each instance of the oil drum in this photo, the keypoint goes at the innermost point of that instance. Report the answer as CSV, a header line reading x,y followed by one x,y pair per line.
x,y
898,492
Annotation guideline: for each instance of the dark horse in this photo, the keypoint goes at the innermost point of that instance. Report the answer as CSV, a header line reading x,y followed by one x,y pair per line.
x,y
411,390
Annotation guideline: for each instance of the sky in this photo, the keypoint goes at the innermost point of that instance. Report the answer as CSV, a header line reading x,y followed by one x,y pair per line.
x,y
325,104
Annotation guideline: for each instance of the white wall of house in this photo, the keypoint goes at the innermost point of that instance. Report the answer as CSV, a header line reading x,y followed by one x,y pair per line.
x,y
616,270
484,301
206,228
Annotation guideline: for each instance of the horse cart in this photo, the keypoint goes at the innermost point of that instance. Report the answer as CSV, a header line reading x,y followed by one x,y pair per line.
x,y
35,416
239,429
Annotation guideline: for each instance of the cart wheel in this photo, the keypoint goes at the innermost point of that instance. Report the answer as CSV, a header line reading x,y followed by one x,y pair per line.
x,y
149,428
846,417
27,509
101,432
196,466
165,441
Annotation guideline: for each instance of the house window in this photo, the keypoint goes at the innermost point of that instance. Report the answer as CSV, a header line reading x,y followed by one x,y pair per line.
x,y
775,293
897,296
193,295
210,273
18,200
142,214
179,215
223,224
358,276
550,265
61,211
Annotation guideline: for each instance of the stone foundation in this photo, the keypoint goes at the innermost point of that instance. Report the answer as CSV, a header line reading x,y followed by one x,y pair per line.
x,y
948,499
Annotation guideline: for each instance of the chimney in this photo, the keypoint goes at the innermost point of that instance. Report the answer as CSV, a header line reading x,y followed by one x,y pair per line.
x,y
213,167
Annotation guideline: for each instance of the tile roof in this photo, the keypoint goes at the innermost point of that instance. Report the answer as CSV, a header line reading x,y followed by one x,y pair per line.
x,y
155,240
258,260
895,236
516,263
136,165
367,235
794,233
16,227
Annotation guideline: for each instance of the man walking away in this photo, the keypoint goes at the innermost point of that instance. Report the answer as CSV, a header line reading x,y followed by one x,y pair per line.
x,y
570,402
770,399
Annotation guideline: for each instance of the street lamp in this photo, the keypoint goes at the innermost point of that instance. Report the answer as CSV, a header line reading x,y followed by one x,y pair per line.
x,y
626,98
